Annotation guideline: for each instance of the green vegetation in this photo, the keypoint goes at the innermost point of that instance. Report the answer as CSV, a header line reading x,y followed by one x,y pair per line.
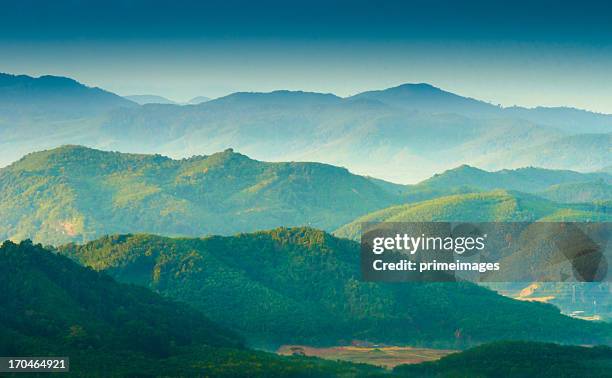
x,y
556,185
54,307
302,286
579,192
494,206
517,359
77,194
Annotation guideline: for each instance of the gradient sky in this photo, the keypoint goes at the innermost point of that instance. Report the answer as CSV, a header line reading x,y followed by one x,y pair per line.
x,y
506,52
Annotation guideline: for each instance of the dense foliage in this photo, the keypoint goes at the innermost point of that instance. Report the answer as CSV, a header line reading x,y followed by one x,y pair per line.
x,y
54,307
77,194
301,285
493,206
556,185
517,359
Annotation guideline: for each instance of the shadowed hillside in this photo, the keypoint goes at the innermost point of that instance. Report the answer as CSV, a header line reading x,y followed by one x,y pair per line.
x,y
517,359
303,286
54,307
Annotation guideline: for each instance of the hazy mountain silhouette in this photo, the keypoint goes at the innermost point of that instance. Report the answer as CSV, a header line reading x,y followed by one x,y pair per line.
x,y
198,100
149,99
53,97
402,134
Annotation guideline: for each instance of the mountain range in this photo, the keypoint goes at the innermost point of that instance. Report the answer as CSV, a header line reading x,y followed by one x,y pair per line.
x,y
74,193
300,285
557,185
402,134
55,307
155,99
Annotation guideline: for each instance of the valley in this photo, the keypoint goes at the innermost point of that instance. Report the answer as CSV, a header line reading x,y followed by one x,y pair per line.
x,y
385,356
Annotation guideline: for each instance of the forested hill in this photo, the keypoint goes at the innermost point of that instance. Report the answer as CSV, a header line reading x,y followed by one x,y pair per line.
x,y
300,285
51,306
556,185
75,193
518,359
492,206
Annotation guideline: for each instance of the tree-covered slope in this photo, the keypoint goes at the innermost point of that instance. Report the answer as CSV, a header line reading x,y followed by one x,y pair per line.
x,y
493,206
517,359
465,179
301,285
579,192
75,193
52,306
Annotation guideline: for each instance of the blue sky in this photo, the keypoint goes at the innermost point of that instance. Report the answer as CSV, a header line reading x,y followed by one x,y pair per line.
x,y
508,52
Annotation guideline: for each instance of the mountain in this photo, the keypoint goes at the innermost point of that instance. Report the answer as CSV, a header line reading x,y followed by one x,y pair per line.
x,y
149,99
511,206
394,134
370,137
568,119
579,192
53,97
517,359
493,206
401,134
54,307
48,111
582,152
303,286
75,193
198,100
577,187
427,98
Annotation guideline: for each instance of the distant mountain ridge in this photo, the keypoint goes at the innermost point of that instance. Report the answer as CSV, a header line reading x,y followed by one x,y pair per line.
x,y
149,99
198,100
402,134
22,95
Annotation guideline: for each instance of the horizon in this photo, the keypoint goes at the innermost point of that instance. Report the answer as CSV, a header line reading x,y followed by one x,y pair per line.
x,y
520,53
185,101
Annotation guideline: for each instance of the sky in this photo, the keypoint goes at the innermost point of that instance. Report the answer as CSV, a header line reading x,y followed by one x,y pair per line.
x,y
527,53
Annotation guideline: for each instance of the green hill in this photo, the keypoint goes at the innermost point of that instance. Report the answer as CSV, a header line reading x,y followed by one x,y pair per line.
x,y
493,206
302,286
517,359
579,192
51,306
74,193
465,179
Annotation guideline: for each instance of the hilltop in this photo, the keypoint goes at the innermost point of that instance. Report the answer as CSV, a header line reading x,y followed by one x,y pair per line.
x,y
75,193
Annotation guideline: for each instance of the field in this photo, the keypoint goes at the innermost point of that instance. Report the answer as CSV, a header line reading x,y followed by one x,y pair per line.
x,y
387,356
